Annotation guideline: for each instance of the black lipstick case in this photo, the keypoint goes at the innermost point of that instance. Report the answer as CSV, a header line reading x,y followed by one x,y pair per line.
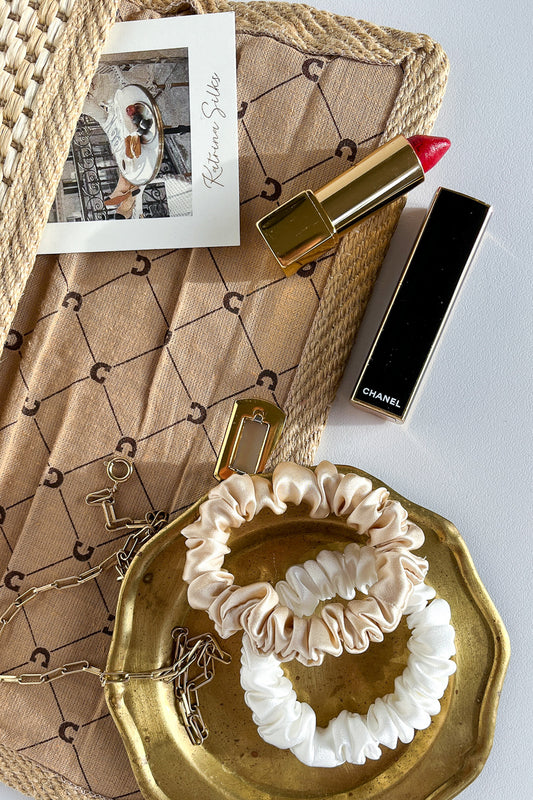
x,y
416,315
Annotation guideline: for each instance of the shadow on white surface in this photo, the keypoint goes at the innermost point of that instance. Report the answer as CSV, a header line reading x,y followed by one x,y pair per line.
x,y
6,793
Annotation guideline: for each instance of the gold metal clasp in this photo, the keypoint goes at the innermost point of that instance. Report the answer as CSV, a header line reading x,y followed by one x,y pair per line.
x,y
119,468
254,429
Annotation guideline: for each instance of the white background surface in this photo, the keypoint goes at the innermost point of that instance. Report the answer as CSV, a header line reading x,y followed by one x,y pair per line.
x,y
465,451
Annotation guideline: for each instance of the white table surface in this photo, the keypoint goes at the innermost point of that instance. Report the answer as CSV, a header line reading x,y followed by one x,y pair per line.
x,y
465,451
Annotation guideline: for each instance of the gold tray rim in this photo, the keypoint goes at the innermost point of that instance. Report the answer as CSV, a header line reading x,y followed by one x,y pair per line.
x,y
449,535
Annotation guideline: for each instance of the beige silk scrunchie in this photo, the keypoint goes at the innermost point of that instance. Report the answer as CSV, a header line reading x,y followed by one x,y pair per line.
x,y
256,608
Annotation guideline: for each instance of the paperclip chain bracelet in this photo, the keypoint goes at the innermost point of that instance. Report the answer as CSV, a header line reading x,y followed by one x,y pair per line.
x,y
200,651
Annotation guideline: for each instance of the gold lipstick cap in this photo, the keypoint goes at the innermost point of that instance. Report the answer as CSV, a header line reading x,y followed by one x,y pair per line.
x,y
311,223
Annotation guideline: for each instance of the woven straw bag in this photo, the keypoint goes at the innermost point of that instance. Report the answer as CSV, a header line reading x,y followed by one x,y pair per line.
x,y
49,51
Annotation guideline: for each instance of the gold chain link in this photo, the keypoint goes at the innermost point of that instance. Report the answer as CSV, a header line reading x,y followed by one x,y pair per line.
x,y
119,469
200,652
30,594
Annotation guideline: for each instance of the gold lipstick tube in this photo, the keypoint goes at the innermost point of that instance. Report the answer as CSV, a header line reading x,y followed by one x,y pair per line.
x,y
311,223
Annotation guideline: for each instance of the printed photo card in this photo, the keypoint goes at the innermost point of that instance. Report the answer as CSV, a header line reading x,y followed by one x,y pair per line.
x,y
154,162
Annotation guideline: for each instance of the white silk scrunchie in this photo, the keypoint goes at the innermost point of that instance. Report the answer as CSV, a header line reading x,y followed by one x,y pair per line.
x,y
350,737
256,609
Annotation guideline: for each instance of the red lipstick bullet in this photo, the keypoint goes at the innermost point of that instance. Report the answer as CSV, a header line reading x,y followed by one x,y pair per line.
x,y
429,149
311,223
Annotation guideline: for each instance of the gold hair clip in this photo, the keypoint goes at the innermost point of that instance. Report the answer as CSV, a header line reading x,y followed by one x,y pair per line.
x,y
254,429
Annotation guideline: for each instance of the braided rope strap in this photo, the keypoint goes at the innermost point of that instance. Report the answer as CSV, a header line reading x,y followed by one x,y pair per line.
x,y
49,50
257,609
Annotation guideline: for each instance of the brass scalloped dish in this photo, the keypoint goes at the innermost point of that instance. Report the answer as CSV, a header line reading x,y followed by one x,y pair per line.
x,y
234,762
